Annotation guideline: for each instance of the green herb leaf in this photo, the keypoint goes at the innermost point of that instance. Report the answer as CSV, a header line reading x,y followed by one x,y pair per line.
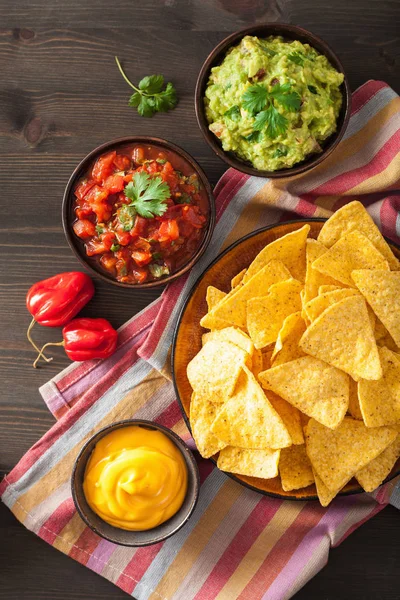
x,y
147,195
279,152
184,198
115,247
126,216
157,256
99,229
149,96
158,270
285,97
254,136
151,84
272,121
255,98
312,89
297,58
161,161
268,51
233,113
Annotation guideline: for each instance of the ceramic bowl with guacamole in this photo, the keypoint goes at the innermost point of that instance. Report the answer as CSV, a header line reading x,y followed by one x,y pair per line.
x,y
272,100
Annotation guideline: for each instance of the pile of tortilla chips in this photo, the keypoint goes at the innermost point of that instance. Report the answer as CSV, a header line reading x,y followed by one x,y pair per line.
x,y
299,375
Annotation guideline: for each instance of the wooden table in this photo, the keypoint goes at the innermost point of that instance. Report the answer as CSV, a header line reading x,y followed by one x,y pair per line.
x,y
61,95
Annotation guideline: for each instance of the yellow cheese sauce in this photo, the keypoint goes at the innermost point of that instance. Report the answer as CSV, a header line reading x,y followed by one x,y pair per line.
x,y
136,478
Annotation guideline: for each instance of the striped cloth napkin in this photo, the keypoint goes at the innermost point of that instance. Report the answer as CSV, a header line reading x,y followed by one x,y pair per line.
x,y
237,544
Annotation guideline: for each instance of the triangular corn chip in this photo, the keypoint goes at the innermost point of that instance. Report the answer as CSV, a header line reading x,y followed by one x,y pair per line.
x,y
290,415
287,344
353,216
261,463
213,323
231,334
202,414
290,249
205,374
352,251
372,476
314,278
257,362
343,337
234,307
295,468
354,404
214,295
265,315
328,288
383,337
248,420
382,292
338,454
237,279
311,385
325,495
380,400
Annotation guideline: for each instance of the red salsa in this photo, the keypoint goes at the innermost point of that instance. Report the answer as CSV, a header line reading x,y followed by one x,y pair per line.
x,y
141,212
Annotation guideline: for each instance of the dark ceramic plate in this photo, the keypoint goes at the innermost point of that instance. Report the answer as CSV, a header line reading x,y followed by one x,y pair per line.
x,y
68,215
122,536
290,32
188,332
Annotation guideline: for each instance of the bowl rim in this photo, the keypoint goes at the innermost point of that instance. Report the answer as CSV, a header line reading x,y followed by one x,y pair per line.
x,y
145,139
229,157
176,439
173,352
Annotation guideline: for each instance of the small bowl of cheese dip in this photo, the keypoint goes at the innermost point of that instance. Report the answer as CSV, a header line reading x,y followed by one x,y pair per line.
x,y
135,483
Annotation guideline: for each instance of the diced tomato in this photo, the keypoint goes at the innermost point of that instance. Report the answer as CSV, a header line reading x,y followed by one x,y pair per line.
x,y
123,237
83,188
84,228
122,162
108,261
114,184
104,166
139,227
153,167
83,209
142,244
96,194
141,258
103,211
108,239
128,177
140,275
169,230
94,247
192,214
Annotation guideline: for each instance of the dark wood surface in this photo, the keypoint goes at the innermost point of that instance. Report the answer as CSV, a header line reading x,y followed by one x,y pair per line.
x,y
60,96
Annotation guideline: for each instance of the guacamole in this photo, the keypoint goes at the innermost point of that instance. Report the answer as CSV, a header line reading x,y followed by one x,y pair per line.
x,y
273,102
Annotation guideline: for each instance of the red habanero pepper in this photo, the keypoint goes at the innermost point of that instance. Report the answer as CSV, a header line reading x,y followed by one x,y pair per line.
x,y
86,339
55,301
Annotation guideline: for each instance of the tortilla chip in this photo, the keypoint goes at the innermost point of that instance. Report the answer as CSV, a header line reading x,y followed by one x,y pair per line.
x,y
325,495
295,468
382,292
234,308
206,374
213,323
214,295
343,337
265,315
289,415
238,278
314,387
266,358
338,454
354,404
287,344
373,475
380,400
383,337
350,217
314,278
329,288
304,314
290,249
202,414
231,334
248,420
261,463
352,251
317,305
257,365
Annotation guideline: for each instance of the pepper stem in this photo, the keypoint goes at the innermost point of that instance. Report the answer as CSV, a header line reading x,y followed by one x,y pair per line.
x,y
41,355
28,335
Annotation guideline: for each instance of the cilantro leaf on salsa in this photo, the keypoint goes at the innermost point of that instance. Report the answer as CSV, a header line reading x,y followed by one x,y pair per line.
x,y
255,98
149,96
285,97
147,195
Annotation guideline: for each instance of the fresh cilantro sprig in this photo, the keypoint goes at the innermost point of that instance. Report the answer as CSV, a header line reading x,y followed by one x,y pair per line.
x,y
261,103
149,96
147,195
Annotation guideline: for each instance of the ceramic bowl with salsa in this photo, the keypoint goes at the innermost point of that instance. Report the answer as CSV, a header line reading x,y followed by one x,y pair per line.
x,y
139,211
